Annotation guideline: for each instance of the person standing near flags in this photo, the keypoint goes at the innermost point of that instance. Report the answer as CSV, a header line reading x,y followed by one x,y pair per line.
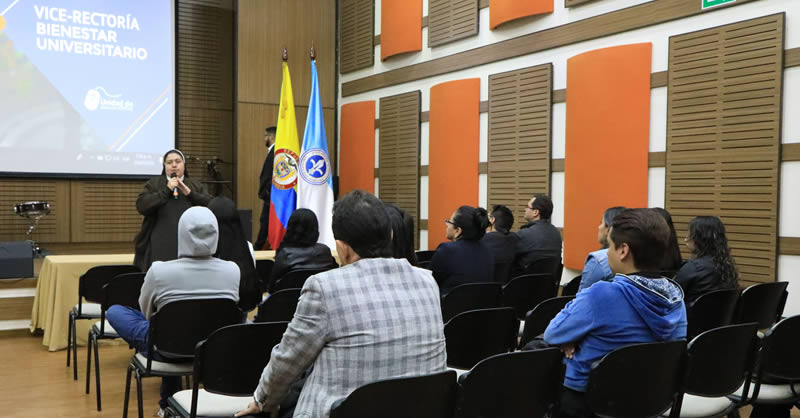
x,y
265,186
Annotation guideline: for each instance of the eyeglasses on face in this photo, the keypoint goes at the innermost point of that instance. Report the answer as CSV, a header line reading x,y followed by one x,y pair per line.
x,y
448,221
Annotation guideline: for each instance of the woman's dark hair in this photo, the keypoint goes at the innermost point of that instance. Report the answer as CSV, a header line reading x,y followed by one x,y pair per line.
x,y
232,246
646,234
164,158
708,235
402,244
672,256
503,218
472,221
302,229
360,221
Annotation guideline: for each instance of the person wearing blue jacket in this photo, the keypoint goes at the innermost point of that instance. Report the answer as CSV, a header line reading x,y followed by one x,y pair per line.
x,y
635,307
596,267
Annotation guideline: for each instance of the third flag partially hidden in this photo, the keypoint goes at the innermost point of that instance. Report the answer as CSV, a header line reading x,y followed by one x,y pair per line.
x,y
315,186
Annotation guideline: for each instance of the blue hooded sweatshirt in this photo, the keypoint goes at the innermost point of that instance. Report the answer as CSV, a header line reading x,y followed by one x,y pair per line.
x,y
628,310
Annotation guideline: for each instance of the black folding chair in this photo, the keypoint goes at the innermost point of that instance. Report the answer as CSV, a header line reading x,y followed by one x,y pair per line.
x,y
537,320
279,306
429,396
471,296
475,335
122,290
502,272
638,380
511,385
264,271
761,303
90,288
175,330
424,264
294,279
711,310
571,289
426,255
717,363
228,363
524,292
550,265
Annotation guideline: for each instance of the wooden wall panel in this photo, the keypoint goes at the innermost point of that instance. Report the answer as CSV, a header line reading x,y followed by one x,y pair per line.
x,y
357,141
53,227
607,141
573,3
401,27
519,137
398,139
356,33
454,150
451,20
105,211
723,135
502,11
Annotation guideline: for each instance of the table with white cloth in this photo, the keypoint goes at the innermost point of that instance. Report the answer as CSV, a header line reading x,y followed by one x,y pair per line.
x,y
57,293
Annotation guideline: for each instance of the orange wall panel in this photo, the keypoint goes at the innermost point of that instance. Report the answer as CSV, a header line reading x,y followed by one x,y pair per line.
x,y
357,147
401,27
502,11
454,145
607,141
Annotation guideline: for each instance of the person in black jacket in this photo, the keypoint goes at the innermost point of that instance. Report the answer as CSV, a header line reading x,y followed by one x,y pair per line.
x,y
713,267
464,259
402,233
265,186
538,239
499,239
300,249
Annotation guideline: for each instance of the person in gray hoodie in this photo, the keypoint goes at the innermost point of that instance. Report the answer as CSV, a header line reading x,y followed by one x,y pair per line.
x,y
196,274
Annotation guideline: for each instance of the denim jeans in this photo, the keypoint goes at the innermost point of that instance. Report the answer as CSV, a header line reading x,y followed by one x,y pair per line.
x,y
134,328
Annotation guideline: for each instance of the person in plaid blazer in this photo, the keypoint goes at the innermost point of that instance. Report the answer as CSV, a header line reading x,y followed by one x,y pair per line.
x,y
372,319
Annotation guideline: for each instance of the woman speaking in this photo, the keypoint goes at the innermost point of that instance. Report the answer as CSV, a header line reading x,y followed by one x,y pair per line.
x,y
162,203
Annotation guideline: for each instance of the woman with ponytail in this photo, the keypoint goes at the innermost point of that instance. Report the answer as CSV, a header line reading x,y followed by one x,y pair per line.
x,y
713,267
464,259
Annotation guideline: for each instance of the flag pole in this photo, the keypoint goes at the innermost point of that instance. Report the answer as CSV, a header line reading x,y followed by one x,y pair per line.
x,y
313,53
285,55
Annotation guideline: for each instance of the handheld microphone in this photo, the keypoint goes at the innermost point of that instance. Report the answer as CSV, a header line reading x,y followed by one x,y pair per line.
x,y
175,190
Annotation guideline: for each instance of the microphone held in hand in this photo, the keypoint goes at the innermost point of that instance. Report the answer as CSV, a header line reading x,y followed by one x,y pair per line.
x,y
175,190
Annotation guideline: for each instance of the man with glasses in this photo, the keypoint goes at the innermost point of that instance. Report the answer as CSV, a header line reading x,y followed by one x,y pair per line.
x,y
538,239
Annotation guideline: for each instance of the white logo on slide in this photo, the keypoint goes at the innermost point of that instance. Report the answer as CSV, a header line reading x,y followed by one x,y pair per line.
x,y
92,100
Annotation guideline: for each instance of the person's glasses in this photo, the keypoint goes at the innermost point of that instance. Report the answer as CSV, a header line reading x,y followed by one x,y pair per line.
x,y
529,207
448,221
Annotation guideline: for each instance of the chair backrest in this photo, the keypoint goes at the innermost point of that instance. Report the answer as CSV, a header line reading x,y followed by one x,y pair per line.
x,y
511,385
571,289
295,279
90,284
124,290
231,359
279,306
524,292
264,272
638,380
429,396
711,310
718,360
550,265
471,296
779,359
425,255
475,335
502,272
761,303
537,320
178,326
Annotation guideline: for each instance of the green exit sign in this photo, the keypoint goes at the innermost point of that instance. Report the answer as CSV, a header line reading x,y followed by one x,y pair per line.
x,y
713,3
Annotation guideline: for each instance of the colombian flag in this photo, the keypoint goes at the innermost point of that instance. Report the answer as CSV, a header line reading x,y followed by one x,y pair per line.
x,y
284,170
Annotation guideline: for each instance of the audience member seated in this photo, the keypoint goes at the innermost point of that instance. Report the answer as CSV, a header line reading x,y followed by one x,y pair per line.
x,y
633,308
196,274
299,248
596,267
499,239
402,233
465,259
234,247
672,257
713,267
538,238
374,318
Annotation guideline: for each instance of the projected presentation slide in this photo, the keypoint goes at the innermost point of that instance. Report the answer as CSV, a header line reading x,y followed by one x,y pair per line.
x,y
86,86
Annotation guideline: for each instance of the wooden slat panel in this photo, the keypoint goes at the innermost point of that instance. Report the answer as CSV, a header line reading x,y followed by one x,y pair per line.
x,y
451,20
520,104
356,28
53,227
398,155
723,141
105,211
573,3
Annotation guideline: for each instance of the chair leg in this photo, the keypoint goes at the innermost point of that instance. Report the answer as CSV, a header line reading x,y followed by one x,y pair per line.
x,y
139,399
74,351
127,392
88,360
97,369
69,335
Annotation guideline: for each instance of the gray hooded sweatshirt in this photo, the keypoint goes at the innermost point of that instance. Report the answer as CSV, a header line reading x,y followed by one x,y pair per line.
x,y
196,274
